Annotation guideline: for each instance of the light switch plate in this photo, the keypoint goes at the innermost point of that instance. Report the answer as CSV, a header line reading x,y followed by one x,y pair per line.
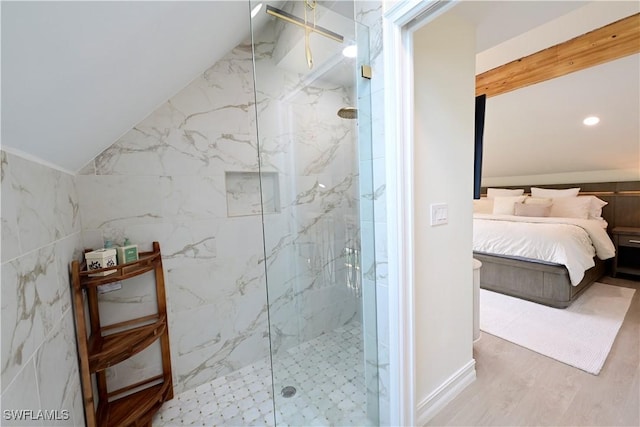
x,y
439,213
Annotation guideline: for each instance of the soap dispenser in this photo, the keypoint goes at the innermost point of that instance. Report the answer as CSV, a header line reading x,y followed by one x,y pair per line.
x,y
127,252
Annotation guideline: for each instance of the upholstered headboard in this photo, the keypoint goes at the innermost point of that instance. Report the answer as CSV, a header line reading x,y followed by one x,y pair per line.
x,y
623,198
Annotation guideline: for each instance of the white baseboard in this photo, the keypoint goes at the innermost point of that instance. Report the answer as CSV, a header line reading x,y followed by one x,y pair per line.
x,y
439,398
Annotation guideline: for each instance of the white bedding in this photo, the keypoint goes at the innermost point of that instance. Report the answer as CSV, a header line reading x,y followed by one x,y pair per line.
x,y
571,242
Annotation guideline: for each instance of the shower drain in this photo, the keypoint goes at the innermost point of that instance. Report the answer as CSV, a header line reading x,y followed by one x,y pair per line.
x,y
288,391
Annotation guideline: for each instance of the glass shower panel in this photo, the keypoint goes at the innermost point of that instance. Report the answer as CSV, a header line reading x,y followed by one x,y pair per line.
x,y
314,127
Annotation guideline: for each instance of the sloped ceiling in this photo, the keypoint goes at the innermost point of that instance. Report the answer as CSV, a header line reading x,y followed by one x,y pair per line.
x,y
77,75
538,129
535,134
497,21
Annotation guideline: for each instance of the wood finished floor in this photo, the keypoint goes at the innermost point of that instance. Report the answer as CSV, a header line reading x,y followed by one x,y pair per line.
x,y
518,387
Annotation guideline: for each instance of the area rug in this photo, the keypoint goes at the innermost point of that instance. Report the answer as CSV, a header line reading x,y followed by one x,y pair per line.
x,y
580,335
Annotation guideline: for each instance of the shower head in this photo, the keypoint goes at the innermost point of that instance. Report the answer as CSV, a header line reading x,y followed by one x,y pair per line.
x,y
348,113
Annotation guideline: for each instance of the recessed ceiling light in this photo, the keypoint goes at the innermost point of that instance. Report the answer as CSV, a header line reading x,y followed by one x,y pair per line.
x,y
350,51
591,120
255,10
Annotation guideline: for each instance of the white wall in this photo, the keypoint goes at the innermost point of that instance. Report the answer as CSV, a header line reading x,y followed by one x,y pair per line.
x,y
444,76
564,178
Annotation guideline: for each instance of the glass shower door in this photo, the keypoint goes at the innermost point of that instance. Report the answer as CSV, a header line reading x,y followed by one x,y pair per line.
x,y
314,127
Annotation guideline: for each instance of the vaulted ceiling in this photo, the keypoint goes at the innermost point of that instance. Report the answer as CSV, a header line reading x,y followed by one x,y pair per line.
x,y
536,132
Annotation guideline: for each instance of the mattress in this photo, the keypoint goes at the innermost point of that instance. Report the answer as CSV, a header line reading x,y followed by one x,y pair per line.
x,y
570,242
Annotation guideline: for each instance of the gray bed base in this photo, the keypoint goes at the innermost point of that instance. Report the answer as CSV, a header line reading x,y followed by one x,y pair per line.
x,y
541,283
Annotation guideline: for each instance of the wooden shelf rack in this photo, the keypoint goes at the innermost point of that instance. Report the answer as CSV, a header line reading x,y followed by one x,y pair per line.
x,y
100,347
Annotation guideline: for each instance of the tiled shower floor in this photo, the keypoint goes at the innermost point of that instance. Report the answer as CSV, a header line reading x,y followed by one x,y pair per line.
x,y
327,372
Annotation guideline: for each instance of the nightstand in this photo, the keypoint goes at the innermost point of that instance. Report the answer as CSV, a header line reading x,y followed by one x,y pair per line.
x,y
627,259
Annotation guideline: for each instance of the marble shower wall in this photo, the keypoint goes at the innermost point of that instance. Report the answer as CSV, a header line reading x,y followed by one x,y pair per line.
x,y
166,180
370,13
187,176
312,289
41,235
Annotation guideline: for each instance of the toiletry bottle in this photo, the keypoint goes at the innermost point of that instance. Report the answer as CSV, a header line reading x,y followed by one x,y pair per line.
x,y
127,252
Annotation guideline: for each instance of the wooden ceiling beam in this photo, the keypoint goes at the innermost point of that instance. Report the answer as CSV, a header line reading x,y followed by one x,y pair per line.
x,y
613,41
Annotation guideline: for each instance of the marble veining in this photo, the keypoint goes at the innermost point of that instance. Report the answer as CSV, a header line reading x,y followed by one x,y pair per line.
x,y
203,129
204,248
146,364
11,247
29,307
164,180
252,193
173,166
57,366
370,13
44,200
40,237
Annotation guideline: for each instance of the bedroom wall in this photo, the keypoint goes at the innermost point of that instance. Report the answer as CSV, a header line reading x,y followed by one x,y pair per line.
x,y
40,237
444,96
563,178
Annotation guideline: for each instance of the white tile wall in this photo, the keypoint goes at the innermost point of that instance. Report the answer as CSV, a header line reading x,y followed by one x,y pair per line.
x,y
165,180
40,238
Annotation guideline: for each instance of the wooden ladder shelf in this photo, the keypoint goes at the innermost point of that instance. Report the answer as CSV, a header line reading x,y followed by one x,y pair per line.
x,y
100,347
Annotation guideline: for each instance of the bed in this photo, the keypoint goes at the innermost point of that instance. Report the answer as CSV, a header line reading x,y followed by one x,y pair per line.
x,y
553,275
546,260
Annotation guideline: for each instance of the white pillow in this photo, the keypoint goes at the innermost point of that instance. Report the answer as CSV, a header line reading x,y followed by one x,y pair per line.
x,y
554,194
504,205
595,210
503,192
532,209
571,207
483,205
538,201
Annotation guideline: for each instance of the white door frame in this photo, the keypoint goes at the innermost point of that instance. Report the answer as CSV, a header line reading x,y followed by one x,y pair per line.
x,y
399,23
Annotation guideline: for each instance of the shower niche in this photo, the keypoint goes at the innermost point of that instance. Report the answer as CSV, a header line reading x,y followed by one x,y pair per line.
x,y
252,193
288,300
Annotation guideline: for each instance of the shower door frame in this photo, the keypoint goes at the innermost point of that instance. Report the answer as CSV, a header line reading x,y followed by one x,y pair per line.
x,y
358,160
